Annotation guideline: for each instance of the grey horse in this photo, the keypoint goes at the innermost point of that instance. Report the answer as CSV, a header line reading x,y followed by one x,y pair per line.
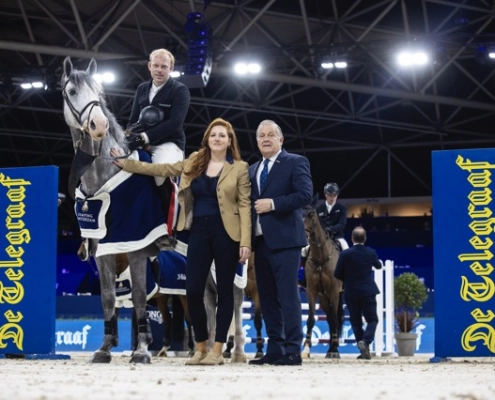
x,y
94,131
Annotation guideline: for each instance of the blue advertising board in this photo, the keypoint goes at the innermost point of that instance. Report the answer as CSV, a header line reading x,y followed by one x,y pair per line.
x,y
86,334
28,250
463,236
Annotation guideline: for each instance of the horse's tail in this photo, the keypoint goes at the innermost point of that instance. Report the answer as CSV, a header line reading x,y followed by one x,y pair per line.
x,y
340,314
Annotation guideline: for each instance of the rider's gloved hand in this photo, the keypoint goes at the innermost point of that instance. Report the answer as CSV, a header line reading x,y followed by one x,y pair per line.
x,y
134,140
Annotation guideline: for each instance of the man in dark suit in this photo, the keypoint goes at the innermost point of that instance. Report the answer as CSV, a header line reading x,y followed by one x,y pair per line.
x,y
354,268
166,139
280,186
332,214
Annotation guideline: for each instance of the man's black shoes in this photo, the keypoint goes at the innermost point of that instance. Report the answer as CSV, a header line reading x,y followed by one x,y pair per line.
x,y
365,350
289,359
268,359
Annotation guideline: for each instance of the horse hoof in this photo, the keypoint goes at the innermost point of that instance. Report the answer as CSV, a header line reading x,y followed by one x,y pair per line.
x,y
140,359
162,352
333,356
100,357
305,355
227,354
258,354
239,358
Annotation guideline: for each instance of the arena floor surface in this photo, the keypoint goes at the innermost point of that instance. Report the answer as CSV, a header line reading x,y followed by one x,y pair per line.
x,y
168,378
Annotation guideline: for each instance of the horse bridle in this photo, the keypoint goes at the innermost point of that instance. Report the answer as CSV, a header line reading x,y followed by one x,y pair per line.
x,y
317,264
83,160
84,130
78,114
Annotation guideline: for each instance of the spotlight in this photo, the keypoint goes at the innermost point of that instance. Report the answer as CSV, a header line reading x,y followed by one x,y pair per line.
x,y
412,58
244,68
333,61
105,77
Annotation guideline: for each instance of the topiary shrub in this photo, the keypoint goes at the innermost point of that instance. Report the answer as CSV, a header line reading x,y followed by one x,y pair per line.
x,y
409,295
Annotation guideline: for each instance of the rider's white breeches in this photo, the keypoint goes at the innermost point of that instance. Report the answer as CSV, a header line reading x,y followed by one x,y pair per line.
x,y
165,153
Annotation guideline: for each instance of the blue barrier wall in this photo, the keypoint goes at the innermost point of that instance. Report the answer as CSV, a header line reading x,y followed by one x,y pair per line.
x,y
28,244
463,238
86,335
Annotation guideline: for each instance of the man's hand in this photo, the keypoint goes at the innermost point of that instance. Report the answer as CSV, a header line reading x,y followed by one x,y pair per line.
x,y
134,140
263,206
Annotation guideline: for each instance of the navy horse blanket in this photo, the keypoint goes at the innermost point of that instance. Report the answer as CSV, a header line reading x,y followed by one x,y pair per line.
x,y
125,214
165,274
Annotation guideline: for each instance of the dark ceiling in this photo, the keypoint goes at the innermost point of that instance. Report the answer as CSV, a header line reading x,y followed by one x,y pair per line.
x,y
371,127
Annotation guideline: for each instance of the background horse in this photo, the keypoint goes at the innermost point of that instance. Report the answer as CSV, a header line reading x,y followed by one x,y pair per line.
x,y
94,132
161,299
320,283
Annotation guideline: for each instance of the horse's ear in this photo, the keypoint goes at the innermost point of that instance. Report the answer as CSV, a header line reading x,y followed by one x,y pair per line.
x,y
314,202
91,70
67,66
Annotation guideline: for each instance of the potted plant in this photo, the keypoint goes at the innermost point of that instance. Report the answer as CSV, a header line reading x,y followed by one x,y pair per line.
x,y
409,296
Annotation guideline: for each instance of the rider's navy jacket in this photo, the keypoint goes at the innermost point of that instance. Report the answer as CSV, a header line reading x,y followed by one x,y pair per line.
x,y
173,99
333,223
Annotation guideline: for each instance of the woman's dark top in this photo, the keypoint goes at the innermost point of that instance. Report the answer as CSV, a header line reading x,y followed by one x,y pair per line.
x,y
204,189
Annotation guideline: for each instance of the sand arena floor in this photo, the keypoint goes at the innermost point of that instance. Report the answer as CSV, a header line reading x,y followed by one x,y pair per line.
x,y
318,378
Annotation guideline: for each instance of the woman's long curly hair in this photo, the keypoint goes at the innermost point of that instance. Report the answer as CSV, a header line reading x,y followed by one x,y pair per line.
x,y
199,165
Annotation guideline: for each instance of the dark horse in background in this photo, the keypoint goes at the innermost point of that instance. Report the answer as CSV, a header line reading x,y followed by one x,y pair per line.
x,y
320,283
94,132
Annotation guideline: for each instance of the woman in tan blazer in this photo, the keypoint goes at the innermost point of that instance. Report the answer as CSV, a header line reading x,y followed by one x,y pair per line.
x,y
214,197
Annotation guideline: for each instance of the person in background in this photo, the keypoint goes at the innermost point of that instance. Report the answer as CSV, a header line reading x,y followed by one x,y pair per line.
x,y
333,214
355,269
214,198
281,185
166,139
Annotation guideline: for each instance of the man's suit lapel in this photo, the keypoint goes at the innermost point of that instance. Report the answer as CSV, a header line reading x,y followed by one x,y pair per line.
x,y
275,168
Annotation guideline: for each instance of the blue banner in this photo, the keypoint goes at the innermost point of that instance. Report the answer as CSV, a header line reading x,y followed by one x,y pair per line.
x,y
463,236
28,250
87,335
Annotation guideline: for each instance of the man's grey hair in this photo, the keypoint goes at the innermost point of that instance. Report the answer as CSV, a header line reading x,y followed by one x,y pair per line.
x,y
269,122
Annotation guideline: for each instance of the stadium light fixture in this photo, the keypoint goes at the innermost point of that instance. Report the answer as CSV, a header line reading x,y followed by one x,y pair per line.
x,y
247,68
413,58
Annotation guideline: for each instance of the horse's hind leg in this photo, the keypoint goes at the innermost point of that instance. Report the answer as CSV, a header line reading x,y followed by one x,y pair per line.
x,y
258,324
187,317
137,261
239,339
162,305
227,353
106,270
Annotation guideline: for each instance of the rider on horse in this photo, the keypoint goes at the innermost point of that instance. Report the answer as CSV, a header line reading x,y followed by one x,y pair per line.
x,y
333,218
333,215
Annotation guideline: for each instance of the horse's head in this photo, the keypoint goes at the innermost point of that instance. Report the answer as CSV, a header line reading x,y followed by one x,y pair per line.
x,y
83,101
310,216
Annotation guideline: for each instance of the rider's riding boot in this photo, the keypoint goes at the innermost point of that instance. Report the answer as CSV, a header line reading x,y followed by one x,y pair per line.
x,y
168,241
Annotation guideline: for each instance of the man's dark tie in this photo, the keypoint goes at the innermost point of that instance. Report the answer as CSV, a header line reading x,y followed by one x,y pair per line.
x,y
264,174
